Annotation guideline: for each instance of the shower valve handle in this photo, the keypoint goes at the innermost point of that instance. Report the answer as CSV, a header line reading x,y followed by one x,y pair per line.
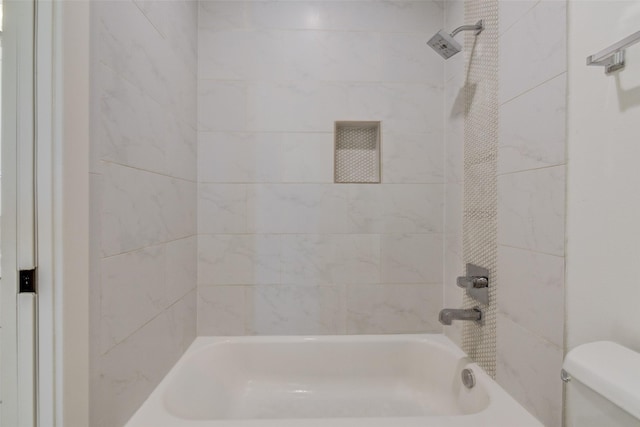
x,y
476,282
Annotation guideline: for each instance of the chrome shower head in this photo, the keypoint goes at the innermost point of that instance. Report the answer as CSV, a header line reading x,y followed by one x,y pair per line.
x,y
444,43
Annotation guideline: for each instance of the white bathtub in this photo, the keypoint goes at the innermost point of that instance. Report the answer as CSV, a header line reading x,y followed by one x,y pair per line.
x,y
373,381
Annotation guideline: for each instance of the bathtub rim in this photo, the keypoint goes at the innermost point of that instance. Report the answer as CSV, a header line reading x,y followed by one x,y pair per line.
x,y
153,413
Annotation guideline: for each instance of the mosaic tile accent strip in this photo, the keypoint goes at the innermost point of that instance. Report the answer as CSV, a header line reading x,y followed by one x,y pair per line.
x,y
480,167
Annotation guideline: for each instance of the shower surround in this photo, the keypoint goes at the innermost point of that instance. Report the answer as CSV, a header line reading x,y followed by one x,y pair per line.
x,y
281,248
212,163
214,210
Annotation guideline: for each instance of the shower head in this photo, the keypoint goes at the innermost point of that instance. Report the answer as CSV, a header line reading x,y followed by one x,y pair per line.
x,y
445,44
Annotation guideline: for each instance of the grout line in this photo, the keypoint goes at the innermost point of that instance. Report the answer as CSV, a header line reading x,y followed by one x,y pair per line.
x,y
146,170
559,165
513,24
149,246
256,183
531,89
273,29
163,311
531,250
246,82
534,333
317,285
135,2
316,233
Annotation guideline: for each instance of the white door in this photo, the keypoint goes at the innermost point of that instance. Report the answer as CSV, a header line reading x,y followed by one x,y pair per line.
x,y
18,296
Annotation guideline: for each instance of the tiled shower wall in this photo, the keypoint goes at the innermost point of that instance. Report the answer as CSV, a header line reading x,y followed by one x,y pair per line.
x,y
281,248
531,204
143,199
531,188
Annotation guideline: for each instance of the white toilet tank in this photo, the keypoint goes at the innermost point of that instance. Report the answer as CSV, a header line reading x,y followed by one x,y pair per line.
x,y
603,387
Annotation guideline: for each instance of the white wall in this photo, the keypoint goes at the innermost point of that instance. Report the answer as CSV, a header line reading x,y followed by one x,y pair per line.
x,y
283,250
143,199
603,179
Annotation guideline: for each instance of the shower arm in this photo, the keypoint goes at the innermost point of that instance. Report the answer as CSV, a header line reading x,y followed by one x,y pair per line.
x,y
478,27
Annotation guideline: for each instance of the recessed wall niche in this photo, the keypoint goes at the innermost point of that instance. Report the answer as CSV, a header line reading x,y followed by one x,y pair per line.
x,y
357,152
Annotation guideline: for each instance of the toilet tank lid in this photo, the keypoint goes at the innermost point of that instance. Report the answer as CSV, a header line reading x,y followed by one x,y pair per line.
x,y
609,369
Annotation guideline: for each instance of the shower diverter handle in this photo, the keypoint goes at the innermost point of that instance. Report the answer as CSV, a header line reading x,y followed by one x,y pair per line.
x,y
476,283
473,282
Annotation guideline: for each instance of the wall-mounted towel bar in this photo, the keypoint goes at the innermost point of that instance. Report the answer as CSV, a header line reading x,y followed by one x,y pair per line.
x,y
612,58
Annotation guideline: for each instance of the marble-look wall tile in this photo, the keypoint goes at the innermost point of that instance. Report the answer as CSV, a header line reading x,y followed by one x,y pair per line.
x,y
395,208
222,105
131,217
528,368
179,208
511,12
221,310
453,206
532,291
222,15
296,106
307,259
181,151
393,308
137,286
534,49
274,79
131,370
295,310
301,259
357,258
142,208
531,209
531,204
133,292
402,107
297,208
307,157
174,20
453,18
401,16
453,295
331,56
412,158
241,55
129,131
239,157
411,258
240,259
180,267
133,129
322,259
127,42
404,59
454,111
222,208
143,217
532,128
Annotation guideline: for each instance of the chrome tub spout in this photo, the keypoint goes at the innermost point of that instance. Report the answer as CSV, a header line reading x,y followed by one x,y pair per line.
x,y
447,315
